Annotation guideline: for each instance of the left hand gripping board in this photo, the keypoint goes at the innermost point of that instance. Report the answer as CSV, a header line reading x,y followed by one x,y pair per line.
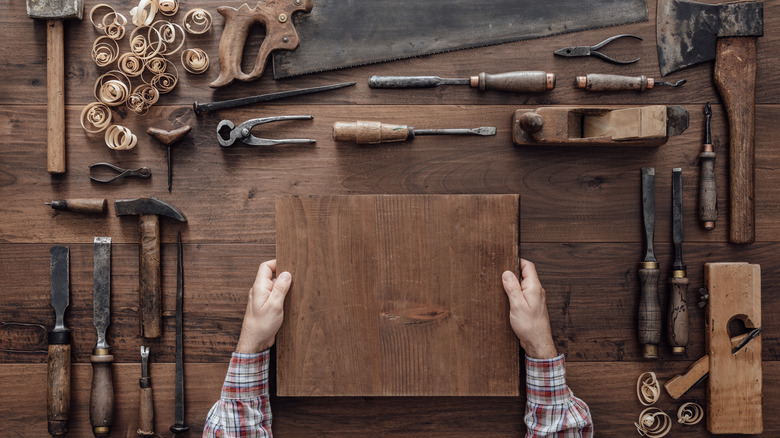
x,y
275,16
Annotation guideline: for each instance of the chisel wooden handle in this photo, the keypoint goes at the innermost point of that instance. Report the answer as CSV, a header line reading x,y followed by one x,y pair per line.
x,y
602,82
149,292
708,191
88,206
55,95
515,81
146,413
58,394
363,132
735,78
649,310
678,313
101,397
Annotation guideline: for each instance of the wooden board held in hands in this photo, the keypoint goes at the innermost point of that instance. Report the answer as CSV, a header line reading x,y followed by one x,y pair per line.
x,y
397,295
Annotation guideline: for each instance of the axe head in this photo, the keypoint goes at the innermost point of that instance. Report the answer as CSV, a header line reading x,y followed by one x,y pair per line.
x,y
55,9
687,31
144,206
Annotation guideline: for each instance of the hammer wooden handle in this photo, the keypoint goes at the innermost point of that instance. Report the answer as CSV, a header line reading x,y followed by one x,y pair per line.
x,y
678,315
58,394
149,291
735,77
55,95
363,132
649,312
101,398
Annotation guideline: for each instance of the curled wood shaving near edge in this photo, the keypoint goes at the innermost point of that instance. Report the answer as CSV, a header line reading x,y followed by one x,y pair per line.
x,y
112,88
105,50
101,24
197,21
690,413
648,390
195,61
168,7
95,117
120,138
653,423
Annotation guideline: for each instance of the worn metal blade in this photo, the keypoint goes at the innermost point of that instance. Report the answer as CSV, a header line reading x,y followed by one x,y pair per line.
x,y
677,219
677,120
648,210
101,289
482,130
686,32
179,383
344,33
59,257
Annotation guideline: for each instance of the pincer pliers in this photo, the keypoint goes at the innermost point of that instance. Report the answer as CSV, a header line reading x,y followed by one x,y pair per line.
x,y
228,133
593,50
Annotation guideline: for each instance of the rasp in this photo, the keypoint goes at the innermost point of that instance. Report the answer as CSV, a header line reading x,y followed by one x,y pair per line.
x,y
678,305
101,397
58,360
338,33
649,306
178,426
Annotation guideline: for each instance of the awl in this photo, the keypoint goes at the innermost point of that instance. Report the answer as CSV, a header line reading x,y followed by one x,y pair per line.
x,y
58,360
179,426
649,306
101,397
364,132
708,189
515,81
678,304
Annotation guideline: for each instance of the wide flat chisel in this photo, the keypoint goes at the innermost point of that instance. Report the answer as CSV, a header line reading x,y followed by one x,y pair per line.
x,y
101,397
649,306
58,360
513,81
678,304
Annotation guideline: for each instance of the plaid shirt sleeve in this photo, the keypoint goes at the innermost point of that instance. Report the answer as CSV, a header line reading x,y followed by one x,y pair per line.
x,y
244,409
552,410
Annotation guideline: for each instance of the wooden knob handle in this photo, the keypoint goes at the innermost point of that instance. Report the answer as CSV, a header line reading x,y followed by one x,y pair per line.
x,y
516,81
708,191
678,314
649,312
58,394
101,396
149,292
735,78
362,132
146,412
602,82
55,95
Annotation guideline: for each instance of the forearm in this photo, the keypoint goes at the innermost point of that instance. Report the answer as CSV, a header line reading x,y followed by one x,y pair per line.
x,y
551,409
244,408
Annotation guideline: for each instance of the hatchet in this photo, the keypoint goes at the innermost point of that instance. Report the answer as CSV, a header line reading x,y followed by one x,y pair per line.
x,y
688,33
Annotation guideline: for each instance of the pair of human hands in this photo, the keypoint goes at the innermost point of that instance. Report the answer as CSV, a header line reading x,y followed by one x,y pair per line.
x,y
527,310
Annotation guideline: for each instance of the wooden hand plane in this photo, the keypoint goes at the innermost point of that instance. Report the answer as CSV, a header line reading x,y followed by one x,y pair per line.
x,y
598,126
733,362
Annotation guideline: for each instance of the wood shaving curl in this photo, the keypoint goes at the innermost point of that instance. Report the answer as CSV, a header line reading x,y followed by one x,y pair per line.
x,y
167,33
140,16
195,61
112,88
168,7
653,423
131,65
143,97
146,46
100,24
115,31
112,22
95,117
197,21
105,50
120,138
164,75
690,413
648,389
164,82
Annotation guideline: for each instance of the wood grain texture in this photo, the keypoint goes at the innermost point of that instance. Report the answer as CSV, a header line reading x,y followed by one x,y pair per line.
x,y
397,295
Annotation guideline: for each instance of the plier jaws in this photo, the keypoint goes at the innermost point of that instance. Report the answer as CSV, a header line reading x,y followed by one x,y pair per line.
x,y
228,133
593,50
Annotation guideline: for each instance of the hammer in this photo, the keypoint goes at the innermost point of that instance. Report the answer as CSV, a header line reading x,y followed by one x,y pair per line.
x,y
55,11
688,33
149,291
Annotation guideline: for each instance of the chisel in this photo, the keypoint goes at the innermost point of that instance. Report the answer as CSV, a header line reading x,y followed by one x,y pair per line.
x,y
649,306
708,191
101,397
678,306
58,360
602,82
514,81
89,206
364,132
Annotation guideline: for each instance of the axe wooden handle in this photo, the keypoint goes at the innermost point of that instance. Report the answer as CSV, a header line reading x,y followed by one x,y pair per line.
x,y
149,292
55,95
735,77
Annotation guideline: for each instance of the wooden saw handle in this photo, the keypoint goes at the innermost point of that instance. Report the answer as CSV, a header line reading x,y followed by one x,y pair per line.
x,y
735,77
101,397
149,290
649,312
58,394
55,95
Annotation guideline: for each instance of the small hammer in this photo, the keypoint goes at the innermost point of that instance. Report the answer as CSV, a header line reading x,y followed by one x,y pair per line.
x,y
55,11
149,290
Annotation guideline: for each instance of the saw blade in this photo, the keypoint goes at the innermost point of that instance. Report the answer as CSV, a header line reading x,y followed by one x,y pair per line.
x,y
341,33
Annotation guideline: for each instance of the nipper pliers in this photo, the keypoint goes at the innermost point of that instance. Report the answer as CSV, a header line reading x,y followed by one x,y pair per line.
x,y
228,133
142,172
593,50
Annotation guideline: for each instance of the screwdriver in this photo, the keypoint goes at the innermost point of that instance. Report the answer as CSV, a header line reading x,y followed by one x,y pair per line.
x,y
516,81
89,206
363,132
602,82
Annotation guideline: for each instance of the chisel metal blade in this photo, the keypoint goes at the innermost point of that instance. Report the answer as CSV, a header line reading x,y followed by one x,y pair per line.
x,y
101,292
648,210
677,219
60,284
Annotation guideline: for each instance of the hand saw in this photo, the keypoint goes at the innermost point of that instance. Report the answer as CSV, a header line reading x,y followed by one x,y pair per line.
x,y
336,34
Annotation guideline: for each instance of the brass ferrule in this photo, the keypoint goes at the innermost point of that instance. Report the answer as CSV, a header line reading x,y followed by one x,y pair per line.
x,y
650,351
678,350
581,81
550,81
649,265
678,273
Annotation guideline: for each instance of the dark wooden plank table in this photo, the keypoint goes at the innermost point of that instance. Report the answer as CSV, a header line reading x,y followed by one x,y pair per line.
x,y
581,223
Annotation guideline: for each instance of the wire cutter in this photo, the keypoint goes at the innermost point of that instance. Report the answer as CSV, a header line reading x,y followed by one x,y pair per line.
x,y
141,172
593,50
228,133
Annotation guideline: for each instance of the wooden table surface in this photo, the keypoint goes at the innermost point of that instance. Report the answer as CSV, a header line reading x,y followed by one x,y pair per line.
x,y
580,223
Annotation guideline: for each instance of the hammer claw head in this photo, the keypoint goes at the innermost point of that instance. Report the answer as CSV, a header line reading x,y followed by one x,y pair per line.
x,y
55,9
143,206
